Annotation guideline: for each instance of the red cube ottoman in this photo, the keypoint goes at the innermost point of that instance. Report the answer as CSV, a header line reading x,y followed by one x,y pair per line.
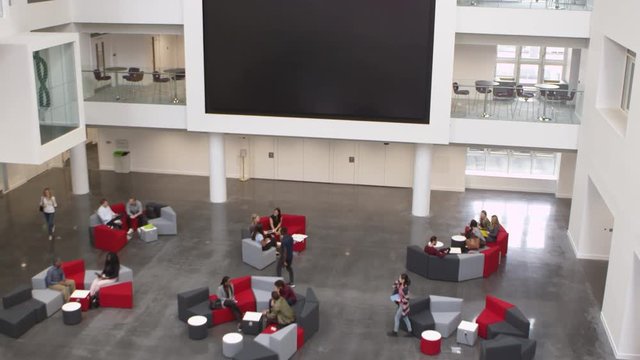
x,y
118,295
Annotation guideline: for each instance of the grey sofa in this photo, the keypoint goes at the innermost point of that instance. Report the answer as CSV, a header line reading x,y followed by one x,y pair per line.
x,y
38,280
253,255
194,302
283,342
20,312
438,313
262,286
452,267
253,350
307,311
167,223
505,347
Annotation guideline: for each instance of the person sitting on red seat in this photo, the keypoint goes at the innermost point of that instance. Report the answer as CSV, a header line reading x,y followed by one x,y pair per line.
x,y
431,249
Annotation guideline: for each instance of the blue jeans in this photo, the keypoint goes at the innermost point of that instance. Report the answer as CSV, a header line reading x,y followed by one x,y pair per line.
x,y
48,218
396,320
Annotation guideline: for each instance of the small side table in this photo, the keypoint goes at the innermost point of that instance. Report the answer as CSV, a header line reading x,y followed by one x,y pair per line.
x,y
430,342
71,313
467,333
198,329
231,344
252,323
82,297
458,241
149,233
299,242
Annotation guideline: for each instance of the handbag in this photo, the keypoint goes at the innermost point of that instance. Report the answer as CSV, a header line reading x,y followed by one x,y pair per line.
x,y
215,304
41,208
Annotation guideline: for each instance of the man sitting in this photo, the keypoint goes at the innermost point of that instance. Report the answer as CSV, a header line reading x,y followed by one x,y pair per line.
x,y
55,280
431,249
286,292
107,216
279,313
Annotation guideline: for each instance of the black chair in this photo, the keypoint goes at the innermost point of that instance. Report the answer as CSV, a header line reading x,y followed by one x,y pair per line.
x,y
521,94
98,75
134,77
458,93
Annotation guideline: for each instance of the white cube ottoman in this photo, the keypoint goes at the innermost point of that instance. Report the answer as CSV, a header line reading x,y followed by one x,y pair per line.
x,y
467,333
231,344
148,233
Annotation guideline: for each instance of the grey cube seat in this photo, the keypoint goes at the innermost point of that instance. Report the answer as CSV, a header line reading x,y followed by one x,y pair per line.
x,y
167,223
471,266
20,312
420,317
505,347
52,300
283,342
253,350
253,255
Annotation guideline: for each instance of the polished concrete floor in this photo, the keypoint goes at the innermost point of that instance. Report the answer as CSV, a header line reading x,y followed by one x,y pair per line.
x,y
358,236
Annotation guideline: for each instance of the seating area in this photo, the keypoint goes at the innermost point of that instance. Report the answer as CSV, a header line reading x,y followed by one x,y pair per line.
x,y
252,253
439,313
253,294
453,267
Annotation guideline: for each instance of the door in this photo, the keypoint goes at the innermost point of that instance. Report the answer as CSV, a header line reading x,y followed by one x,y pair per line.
x,y
290,158
263,157
317,160
343,161
371,163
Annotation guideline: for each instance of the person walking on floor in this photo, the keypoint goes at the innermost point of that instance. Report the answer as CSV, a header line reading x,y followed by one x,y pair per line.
x,y
55,280
48,207
400,297
286,255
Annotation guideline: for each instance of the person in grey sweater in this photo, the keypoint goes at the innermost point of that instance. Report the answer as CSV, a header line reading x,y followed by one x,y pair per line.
x,y
227,298
135,211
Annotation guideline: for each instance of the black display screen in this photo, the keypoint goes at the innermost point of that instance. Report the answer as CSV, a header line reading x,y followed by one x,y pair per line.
x,y
346,59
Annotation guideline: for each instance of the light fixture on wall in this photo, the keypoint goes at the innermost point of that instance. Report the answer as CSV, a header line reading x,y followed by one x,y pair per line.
x,y
243,159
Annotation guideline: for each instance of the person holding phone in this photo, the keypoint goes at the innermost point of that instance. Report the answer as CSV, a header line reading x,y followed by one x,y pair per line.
x,y
401,298
48,207
109,275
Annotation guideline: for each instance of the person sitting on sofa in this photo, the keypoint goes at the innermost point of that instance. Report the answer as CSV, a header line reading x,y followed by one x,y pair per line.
x,y
484,223
495,228
431,249
135,211
279,313
107,216
227,299
258,236
255,220
109,275
473,231
275,221
286,292
55,280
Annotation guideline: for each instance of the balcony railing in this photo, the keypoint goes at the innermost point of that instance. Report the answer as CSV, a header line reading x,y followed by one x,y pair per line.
x,y
584,5
118,84
553,103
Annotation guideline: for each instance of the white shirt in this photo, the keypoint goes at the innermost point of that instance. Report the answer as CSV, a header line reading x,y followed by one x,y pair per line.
x,y
48,205
105,214
259,238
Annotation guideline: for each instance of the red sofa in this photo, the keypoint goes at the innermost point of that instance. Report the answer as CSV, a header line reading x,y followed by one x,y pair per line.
x,y
501,317
502,241
119,295
108,239
494,312
295,224
244,295
74,270
491,260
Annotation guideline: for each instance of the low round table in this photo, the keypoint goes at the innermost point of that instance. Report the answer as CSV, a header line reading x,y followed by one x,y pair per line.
x,y
430,342
231,344
458,241
198,329
71,313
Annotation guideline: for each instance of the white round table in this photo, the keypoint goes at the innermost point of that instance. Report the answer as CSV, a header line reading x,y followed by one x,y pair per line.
x,y
486,84
545,87
71,313
231,344
198,329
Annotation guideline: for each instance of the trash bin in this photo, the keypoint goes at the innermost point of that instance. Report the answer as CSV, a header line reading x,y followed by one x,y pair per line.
x,y
121,161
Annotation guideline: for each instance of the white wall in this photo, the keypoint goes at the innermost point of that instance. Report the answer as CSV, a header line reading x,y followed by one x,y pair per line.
x,y
23,17
18,174
127,11
608,158
448,167
474,62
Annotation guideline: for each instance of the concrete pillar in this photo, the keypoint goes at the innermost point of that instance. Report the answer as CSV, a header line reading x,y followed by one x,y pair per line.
x,y
79,170
422,180
217,172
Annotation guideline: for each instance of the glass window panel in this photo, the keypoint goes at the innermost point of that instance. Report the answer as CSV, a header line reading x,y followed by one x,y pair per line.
x,y
628,80
476,159
554,53
553,72
544,164
506,51
530,52
528,74
497,161
505,69
520,163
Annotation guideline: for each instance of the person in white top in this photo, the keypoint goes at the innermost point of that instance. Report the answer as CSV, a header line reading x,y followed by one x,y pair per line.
x,y
107,216
48,207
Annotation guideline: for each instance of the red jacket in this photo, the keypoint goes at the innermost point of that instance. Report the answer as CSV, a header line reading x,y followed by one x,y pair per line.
x,y
288,294
433,251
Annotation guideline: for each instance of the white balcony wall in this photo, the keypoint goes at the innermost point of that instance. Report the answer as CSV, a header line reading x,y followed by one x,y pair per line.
x,y
23,17
127,12
504,21
135,115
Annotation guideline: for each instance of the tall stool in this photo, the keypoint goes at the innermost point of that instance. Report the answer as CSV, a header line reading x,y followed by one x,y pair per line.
x,y
430,342
71,313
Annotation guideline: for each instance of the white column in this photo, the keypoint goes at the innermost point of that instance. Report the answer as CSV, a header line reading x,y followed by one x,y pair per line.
x,y
422,180
79,170
217,172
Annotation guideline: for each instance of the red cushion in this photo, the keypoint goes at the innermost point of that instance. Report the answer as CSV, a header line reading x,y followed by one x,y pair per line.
x,y
497,306
118,208
295,224
241,284
74,270
246,301
266,225
108,239
491,260
300,339
118,295
495,311
503,240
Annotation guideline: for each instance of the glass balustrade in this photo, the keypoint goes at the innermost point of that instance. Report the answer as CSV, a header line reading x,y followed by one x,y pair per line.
x,y
120,84
553,103
584,5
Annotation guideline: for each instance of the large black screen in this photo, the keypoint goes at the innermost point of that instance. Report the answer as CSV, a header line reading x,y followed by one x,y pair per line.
x,y
347,59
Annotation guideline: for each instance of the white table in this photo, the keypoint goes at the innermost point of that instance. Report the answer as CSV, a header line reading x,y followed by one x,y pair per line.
x,y
252,323
116,70
545,87
467,333
485,84
231,344
198,328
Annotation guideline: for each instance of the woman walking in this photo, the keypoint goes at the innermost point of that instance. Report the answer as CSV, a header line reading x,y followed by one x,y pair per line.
x,y
401,297
48,207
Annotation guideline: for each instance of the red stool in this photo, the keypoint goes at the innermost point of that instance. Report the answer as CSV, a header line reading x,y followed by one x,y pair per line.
x,y
299,242
300,339
430,342
119,295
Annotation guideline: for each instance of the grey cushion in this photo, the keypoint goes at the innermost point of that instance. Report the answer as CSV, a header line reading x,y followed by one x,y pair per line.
x,y
167,223
189,299
253,255
245,233
252,350
420,317
517,319
265,283
282,342
417,260
446,322
52,299
471,266
309,318
262,299
38,280
94,221
504,328
125,274
445,268
19,295
311,296
505,347
444,303
201,309
16,321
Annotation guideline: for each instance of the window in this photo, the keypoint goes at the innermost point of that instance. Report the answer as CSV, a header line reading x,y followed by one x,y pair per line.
x,y
513,163
628,80
531,64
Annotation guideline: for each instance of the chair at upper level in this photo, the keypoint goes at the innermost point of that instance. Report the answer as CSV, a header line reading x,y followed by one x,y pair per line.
x,y
158,80
560,98
134,77
97,74
524,96
458,93
504,95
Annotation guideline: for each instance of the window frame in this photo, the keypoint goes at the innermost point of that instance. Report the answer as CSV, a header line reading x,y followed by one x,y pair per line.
x,y
541,62
511,155
627,82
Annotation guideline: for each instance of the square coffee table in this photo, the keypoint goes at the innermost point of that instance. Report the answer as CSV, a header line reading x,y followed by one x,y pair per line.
x,y
82,297
252,323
